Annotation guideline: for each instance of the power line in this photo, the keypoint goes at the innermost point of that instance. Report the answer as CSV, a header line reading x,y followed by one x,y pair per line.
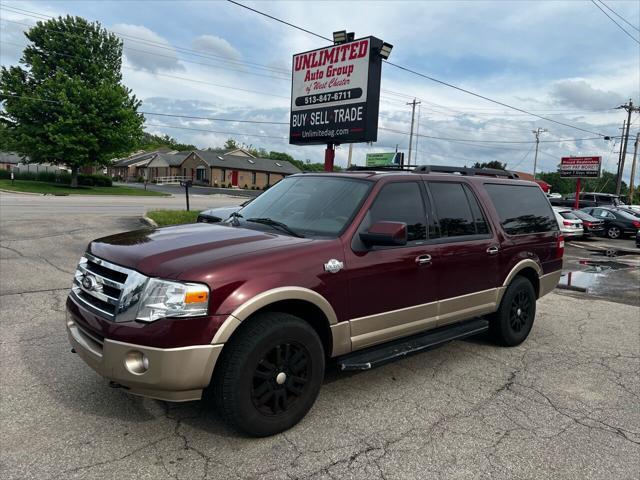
x,y
491,141
619,16
614,21
156,54
280,20
177,77
216,131
214,119
167,46
464,141
428,77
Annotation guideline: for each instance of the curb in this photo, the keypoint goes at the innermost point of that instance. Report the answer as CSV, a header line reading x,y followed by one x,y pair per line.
x,y
150,222
21,193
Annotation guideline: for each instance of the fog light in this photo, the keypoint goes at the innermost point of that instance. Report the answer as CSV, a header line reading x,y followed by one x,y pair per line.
x,y
136,362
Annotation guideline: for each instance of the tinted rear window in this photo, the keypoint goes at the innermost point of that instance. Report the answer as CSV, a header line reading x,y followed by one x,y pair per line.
x,y
458,211
521,208
569,216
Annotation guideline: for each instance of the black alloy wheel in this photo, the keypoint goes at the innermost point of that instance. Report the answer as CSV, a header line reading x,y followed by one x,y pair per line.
x,y
269,374
520,311
511,323
280,378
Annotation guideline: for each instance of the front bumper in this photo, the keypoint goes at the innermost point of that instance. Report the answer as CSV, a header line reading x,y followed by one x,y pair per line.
x,y
173,374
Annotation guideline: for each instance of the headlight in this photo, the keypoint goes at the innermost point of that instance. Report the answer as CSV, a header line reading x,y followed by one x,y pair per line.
x,y
162,298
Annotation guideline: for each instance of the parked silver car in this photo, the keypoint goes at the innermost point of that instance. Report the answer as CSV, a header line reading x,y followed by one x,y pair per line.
x,y
570,225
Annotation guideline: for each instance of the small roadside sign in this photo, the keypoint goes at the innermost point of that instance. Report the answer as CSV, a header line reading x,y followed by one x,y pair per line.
x,y
380,159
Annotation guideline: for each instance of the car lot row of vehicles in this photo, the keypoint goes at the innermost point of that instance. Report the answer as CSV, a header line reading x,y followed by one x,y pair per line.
x,y
613,222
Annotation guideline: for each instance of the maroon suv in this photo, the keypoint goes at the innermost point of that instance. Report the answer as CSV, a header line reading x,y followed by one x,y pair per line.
x,y
365,267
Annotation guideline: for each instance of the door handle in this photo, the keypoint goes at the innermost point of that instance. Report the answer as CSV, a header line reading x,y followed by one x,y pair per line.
x,y
423,259
493,250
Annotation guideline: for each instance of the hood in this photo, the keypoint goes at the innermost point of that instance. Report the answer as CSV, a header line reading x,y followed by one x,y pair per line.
x,y
170,252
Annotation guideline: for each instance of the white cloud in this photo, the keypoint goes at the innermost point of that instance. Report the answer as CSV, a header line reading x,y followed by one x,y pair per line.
x,y
580,94
216,46
147,50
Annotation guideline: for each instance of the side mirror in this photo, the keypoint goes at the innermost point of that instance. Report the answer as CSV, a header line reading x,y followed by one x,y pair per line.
x,y
385,234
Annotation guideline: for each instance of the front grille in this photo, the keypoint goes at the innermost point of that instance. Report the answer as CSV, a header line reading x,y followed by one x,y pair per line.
x,y
106,289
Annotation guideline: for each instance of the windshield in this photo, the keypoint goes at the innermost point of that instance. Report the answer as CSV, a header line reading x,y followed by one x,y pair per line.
x,y
316,206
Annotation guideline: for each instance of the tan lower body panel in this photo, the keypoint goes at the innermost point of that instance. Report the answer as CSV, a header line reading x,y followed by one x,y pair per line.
x,y
173,374
549,281
374,329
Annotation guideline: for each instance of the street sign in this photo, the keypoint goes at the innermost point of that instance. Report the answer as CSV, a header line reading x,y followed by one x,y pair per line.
x,y
580,167
380,159
335,93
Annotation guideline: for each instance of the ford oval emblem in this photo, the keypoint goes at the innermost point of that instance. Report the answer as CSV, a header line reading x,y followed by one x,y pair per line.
x,y
89,282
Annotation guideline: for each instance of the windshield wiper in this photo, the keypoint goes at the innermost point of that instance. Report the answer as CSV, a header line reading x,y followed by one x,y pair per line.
x,y
275,224
235,216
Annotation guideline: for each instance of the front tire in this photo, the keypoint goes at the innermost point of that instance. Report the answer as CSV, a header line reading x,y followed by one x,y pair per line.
x,y
269,374
511,324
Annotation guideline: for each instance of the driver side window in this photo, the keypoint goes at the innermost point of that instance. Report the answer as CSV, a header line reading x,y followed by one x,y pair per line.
x,y
401,202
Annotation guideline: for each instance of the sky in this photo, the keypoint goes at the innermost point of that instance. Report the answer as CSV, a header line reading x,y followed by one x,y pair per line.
x,y
563,60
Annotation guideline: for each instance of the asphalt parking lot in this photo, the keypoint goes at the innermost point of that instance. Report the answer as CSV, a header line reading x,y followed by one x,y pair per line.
x,y
565,404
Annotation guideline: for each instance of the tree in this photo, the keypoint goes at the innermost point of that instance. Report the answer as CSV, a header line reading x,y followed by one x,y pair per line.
x,y
230,144
151,142
69,106
492,164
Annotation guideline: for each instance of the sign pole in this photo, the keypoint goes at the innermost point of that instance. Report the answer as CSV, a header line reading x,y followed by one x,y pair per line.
x,y
329,156
576,205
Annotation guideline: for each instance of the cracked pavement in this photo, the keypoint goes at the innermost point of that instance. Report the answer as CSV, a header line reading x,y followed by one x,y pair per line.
x,y
565,404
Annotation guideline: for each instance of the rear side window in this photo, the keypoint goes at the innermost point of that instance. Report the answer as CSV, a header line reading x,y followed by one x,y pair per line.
x,y
458,211
522,209
401,202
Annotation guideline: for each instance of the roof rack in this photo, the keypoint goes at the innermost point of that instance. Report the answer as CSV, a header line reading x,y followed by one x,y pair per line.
x,y
379,168
487,172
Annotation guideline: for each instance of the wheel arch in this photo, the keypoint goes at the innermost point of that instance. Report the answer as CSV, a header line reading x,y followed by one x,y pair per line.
x,y
303,303
527,268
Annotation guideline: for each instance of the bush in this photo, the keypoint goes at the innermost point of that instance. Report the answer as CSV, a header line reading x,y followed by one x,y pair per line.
x,y
246,186
229,185
94,180
5,174
64,178
46,177
26,176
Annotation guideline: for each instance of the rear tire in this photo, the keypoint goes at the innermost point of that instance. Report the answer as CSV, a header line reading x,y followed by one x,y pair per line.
x,y
513,321
269,374
613,232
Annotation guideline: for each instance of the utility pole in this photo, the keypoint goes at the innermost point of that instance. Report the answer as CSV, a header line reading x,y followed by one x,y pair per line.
x,y
630,109
350,153
624,124
413,114
417,136
537,133
633,168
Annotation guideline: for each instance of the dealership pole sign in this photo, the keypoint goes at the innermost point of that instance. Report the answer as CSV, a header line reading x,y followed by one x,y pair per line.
x,y
335,94
580,167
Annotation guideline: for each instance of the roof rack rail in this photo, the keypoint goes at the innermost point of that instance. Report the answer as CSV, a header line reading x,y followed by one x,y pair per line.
x,y
379,168
487,172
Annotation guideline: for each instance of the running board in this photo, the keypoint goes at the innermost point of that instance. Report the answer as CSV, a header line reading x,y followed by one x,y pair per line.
x,y
388,352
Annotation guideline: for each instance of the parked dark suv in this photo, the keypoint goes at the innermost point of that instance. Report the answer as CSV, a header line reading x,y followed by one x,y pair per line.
x,y
365,267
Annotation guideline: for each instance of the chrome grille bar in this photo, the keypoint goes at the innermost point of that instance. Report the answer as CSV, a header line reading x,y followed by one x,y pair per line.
x,y
93,289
